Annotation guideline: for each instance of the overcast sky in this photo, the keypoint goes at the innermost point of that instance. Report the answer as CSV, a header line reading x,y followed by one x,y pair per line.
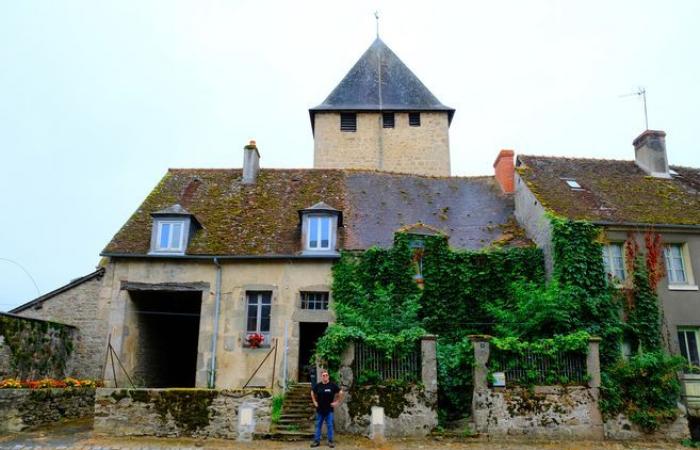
x,y
98,99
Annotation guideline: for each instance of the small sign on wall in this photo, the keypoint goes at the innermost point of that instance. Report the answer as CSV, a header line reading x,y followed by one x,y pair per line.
x,y
499,379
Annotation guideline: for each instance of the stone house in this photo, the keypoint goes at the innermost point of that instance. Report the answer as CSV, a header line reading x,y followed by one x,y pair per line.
x,y
213,257
629,199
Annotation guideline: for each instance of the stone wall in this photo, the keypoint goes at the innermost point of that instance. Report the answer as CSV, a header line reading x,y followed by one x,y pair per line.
x,y
34,349
409,410
79,306
423,150
620,428
25,408
531,216
178,412
546,411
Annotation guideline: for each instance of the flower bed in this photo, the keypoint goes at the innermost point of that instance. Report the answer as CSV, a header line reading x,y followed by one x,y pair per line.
x,y
48,383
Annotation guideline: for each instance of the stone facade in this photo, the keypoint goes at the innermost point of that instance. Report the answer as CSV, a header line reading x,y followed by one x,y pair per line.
x,y
5,356
422,150
80,306
178,412
530,215
25,408
235,361
621,428
410,410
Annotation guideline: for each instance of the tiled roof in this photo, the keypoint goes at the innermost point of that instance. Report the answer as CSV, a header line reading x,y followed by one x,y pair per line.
x,y
612,190
262,219
379,80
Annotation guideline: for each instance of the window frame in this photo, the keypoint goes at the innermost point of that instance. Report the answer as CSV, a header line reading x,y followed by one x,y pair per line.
x,y
388,120
259,303
411,121
684,257
324,302
158,235
608,260
685,343
344,127
318,217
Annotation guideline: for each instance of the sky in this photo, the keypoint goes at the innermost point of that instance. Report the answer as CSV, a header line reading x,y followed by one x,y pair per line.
x,y
99,99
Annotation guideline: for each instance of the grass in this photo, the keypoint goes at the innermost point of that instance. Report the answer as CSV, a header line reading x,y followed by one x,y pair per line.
x,y
276,413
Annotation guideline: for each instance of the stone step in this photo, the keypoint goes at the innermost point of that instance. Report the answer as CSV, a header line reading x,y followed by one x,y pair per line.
x,y
295,420
286,435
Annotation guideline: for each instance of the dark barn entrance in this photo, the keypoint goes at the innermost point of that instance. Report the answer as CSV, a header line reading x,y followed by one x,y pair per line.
x,y
309,332
167,325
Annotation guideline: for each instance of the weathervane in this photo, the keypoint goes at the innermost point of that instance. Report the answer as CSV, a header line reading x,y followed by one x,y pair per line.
x,y
376,16
641,92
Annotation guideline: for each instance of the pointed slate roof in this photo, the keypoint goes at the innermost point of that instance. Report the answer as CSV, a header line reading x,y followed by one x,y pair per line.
x,y
378,81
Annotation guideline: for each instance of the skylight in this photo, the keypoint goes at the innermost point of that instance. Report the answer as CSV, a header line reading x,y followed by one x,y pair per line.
x,y
573,184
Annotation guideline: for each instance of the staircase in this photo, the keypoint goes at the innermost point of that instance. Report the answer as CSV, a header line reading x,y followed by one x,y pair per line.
x,y
298,412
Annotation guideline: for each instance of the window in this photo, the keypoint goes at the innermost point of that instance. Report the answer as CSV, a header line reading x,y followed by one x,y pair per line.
x,y
388,120
414,119
314,300
573,184
258,313
348,122
688,343
675,264
614,260
170,236
319,233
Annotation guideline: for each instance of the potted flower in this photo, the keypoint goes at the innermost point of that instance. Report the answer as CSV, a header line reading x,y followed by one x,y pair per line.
x,y
255,340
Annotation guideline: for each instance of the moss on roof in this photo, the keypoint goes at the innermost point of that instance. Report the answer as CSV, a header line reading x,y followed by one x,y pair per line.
x,y
612,190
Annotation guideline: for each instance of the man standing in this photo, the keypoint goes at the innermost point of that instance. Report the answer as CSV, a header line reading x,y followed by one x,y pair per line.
x,y
326,396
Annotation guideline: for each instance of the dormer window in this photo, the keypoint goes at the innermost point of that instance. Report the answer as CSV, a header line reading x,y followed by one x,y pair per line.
x,y
172,228
319,225
319,236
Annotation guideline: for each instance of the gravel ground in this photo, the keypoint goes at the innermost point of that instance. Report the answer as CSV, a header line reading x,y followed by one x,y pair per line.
x,y
77,435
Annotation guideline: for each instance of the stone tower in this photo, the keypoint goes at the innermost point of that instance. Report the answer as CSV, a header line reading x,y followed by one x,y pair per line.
x,y
382,117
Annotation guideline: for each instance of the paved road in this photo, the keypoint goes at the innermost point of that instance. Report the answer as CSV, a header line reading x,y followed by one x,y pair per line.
x,y
77,435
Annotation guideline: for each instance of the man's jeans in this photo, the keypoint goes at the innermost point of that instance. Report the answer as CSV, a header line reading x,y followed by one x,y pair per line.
x,y
320,418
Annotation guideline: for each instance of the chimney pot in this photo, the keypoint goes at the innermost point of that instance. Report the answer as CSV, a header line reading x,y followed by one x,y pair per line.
x,y
505,171
650,153
251,163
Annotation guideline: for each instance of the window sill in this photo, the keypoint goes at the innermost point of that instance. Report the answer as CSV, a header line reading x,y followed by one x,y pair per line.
x,y
259,347
683,287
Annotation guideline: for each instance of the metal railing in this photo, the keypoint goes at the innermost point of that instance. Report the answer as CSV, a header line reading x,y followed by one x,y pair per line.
x,y
538,369
401,366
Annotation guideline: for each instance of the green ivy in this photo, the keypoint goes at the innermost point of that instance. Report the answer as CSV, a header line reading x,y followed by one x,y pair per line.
x,y
38,348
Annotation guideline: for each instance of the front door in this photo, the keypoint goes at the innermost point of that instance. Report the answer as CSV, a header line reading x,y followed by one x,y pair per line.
x,y
309,333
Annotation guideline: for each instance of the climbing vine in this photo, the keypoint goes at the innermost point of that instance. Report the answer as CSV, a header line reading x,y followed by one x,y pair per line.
x,y
38,348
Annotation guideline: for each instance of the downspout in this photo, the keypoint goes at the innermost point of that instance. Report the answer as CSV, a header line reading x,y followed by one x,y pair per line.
x,y
215,335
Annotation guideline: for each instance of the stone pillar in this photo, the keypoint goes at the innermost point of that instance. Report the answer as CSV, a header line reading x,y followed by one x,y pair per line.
x,y
593,362
346,360
482,349
376,431
428,350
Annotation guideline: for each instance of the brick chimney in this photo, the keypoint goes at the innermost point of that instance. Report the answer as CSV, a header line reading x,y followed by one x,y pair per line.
x,y
251,163
505,171
650,153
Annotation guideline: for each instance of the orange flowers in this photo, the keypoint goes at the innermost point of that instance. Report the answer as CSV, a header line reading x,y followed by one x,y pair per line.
x,y
47,383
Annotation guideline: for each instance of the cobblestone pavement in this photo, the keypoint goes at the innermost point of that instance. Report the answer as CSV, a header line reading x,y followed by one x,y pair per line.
x,y
77,435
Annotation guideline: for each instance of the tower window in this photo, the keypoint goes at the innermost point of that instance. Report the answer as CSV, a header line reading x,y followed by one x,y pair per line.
x,y
388,120
414,119
348,122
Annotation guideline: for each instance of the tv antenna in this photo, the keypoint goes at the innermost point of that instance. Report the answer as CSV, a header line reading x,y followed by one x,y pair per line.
x,y
641,92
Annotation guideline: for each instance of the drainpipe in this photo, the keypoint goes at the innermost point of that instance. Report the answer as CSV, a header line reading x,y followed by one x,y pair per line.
x,y
215,335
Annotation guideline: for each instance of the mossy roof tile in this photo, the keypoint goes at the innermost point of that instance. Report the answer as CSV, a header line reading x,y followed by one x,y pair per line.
x,y
612,190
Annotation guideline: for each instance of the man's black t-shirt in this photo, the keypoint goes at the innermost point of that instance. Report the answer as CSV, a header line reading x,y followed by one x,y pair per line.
x,y
325,393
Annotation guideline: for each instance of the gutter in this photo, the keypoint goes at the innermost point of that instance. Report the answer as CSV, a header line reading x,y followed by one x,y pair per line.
x,y
226,257
671,226
217,307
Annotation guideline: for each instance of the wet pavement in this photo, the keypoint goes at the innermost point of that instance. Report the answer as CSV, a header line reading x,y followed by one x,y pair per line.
x,y
78,435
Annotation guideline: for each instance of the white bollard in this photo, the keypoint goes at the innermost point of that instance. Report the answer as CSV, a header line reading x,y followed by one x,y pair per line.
x,y
376,432
246,423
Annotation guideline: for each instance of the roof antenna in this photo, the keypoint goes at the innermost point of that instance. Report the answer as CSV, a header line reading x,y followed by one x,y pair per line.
x,y
376,16
641,92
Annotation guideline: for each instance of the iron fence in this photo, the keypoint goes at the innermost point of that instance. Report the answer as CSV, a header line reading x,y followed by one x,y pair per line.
x,y
371,364
538,369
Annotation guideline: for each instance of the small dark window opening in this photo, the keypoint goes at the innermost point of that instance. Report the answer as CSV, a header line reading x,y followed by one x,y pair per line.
x,y
414,119
314,300
348,122
388,120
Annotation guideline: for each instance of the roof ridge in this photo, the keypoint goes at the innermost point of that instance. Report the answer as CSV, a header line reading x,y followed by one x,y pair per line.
x,y
576,158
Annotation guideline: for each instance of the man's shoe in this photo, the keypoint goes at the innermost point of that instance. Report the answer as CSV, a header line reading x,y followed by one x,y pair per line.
x,y
331,444
315,444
